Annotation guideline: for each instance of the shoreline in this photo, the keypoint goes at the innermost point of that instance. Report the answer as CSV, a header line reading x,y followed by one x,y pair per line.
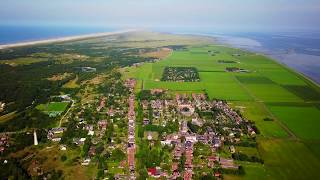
x,y
63,39
273,57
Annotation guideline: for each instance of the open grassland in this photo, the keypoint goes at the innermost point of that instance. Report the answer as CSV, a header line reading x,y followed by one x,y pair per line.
x,y
303,121
289,140
285,159
53,107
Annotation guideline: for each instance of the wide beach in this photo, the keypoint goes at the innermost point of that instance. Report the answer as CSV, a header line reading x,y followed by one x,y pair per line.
x,y
63,39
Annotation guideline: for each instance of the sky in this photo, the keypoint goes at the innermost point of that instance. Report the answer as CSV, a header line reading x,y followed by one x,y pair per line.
x,y
232,15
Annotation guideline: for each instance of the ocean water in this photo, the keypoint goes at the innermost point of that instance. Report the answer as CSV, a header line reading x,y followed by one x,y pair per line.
x,y
14,34
300,50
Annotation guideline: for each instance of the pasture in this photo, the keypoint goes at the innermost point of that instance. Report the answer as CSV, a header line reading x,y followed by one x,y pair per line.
x,y
303,121
285,159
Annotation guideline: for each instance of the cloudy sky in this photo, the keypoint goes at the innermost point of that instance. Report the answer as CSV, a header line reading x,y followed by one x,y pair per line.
x,y
235,15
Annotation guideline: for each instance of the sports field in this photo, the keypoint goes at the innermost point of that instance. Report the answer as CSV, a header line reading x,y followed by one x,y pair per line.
x,y
289,143
53,108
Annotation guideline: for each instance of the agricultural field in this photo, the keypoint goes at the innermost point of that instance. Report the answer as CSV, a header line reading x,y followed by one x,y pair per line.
x,y
285,159
283,104
302,120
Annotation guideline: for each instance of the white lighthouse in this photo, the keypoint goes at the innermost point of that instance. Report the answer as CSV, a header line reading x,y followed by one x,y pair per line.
x,y
35,139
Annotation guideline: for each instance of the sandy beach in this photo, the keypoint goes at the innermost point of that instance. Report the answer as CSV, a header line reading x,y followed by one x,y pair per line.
x,y
63,39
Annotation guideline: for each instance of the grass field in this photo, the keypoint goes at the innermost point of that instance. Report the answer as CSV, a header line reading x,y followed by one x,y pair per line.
x,y
53,108
303,121
290,144
285,159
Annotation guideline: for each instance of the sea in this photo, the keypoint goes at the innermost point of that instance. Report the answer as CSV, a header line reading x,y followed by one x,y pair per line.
x,y
297,50
15,33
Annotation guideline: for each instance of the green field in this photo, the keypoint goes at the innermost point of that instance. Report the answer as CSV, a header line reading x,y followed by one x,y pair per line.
x,y
303,121
290,143
53,108
285,159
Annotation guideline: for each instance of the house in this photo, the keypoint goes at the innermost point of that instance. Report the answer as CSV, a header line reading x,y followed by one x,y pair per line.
x,y
197,121
58,130
88,127
55,134
2,106
111,112
165,142
187,175
154,172
216,142
2,149
191,138
63,147
211,161
90,133
146,121
149,136
86,162
202,138
232,149
103,124
92,151
79,141
88,69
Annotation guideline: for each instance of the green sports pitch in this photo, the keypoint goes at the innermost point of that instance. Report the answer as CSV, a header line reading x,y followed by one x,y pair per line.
x,y
53,108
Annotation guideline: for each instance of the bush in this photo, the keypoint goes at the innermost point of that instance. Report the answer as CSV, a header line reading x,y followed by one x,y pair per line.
x,y
63,158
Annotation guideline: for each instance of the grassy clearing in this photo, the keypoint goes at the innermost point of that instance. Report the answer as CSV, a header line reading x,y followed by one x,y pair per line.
x,y
285,159
303,121
53,106
72,84
53,109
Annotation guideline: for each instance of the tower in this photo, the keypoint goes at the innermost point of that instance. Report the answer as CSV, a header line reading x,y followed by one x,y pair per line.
x,y
35,139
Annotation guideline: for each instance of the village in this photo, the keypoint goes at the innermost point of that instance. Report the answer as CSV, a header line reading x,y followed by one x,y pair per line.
x,y
205,129
198,135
